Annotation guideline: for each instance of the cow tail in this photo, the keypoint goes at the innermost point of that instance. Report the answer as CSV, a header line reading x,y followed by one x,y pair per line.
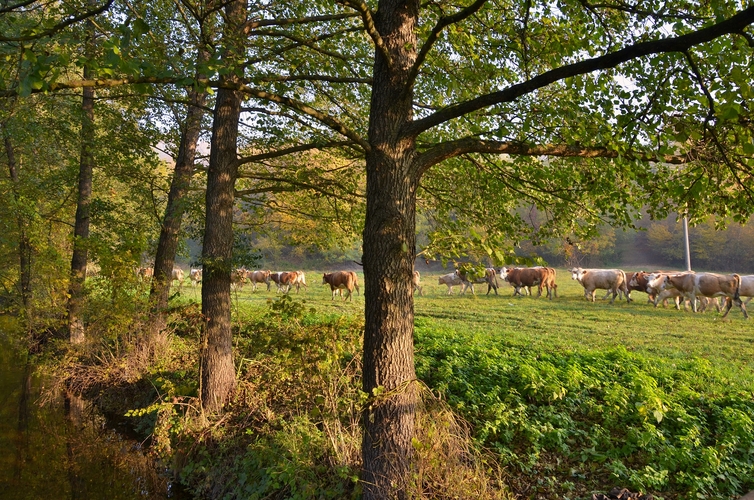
x,y
625,285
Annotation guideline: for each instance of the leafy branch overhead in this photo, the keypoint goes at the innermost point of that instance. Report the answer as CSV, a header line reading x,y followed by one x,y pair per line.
x,y
656,90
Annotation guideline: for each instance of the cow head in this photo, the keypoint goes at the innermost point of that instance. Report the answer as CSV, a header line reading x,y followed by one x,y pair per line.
x,y
504,273
657,282
635,277
577,274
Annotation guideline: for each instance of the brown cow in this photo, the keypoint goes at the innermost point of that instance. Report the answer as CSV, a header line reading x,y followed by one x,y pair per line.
x,y
256,277
640,282
346,280
527,277
145,272
274,278
549,283
286,280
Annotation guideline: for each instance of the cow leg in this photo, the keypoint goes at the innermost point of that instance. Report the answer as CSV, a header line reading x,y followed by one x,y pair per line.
x,y
692,298
728,305
743,308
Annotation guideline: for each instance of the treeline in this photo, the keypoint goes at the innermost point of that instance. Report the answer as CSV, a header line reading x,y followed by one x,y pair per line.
x,y
714,246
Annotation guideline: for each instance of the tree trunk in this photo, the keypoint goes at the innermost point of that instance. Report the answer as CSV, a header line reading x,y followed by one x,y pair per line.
x,y
81,227
24,244
218,376
389,253
171,224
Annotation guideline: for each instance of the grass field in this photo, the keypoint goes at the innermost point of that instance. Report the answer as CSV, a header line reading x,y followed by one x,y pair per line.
x,y
567,322
574,397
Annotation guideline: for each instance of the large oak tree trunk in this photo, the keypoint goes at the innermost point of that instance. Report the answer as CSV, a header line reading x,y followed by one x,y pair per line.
x,y
389,253
218,376
76,330
171,224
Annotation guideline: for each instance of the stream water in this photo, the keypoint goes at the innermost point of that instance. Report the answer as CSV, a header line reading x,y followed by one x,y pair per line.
x,y
63,449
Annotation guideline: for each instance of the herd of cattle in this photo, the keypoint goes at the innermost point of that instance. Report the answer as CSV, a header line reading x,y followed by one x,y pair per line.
x,y
284,280
660,286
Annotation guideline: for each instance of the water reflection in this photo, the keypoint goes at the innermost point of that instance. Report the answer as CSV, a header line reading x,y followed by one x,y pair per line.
x,y
64,450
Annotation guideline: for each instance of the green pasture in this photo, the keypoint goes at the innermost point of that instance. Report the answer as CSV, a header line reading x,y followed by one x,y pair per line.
x,y
574,397
568,322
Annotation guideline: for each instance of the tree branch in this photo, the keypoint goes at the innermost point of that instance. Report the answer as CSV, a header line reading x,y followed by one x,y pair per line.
x,y
294,149
434,35
316,78
254,24
677,44
323,118
452,149
366,15
60,26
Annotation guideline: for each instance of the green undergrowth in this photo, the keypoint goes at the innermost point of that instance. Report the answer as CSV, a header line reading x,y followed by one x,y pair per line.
x,y
575,421
554,399
293,430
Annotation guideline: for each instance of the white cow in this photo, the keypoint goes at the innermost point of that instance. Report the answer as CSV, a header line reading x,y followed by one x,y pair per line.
x,y
747,287
451,280
708,285
415,283
603,279
178,275
258,277
195,275
300,281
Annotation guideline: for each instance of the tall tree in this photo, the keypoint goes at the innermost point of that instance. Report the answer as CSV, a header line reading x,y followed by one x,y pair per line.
x,y
24,243
176,205
218,378
76,328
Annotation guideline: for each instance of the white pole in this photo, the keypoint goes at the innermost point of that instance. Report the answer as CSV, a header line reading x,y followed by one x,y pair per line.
x,y
686,241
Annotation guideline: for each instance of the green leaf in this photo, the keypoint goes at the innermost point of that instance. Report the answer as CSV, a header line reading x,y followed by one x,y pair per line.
x,y
140,27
